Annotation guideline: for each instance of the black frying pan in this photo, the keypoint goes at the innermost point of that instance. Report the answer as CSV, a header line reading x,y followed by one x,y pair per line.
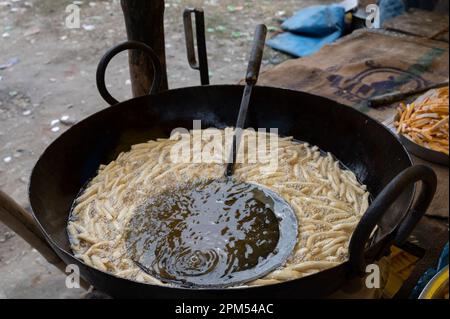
x,y
365,146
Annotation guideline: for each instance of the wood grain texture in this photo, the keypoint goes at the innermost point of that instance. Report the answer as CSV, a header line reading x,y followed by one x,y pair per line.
x,y
20,221
144,21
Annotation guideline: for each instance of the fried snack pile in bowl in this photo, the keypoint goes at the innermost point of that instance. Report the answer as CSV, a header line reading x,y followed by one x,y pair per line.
x,y
425,121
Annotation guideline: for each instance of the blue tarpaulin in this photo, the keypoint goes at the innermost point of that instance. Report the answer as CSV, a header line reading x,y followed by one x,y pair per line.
x,y
313,27
310,29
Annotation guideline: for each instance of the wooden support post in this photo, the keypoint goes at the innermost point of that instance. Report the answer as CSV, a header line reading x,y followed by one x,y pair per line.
x,y
21,222
144,21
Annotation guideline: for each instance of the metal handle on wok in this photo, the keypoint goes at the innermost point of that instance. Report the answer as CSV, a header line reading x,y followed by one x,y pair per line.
x,y
202,64
128,45
360,254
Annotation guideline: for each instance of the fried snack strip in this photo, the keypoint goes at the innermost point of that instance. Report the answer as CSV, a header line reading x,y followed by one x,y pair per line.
x,y
425,121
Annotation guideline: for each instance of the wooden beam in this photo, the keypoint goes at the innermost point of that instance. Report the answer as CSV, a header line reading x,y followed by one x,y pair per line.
x,y
22,223
144,21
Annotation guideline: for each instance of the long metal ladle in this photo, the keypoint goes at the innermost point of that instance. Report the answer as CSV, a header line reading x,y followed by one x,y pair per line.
x,y
251,78
287,220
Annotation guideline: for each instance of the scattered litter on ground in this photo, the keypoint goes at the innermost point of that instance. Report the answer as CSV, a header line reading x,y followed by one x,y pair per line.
x,y
232,8
236,34
7,236
221,28
5,3
18,153
11,62
7,159
32,31
273,29
88,27
67,120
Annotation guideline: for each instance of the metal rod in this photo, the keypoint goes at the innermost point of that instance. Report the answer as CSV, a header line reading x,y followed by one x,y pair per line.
x,y
202,63
389,98
251,78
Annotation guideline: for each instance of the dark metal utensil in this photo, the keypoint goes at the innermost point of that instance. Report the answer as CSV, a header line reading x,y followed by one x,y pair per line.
x,y
389,98
202,64
251,78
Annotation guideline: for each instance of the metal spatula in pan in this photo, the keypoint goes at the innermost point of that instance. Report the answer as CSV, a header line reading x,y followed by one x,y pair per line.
x,y
219,233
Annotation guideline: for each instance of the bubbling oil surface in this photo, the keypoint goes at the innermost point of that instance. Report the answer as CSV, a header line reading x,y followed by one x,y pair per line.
x,y
212,233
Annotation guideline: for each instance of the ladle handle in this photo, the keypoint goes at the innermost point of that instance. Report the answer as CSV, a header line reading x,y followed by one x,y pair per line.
x,y
256,55
254,65
362,252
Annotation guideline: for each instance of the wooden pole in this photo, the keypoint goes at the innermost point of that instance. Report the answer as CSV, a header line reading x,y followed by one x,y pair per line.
x,y
144,21
20,221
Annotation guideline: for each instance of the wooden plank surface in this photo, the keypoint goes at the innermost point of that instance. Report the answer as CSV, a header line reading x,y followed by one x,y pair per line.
x,y
421,23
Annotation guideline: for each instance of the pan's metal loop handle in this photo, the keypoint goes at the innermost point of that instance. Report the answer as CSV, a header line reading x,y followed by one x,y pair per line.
x,y
254,64
202,63
128,45
360,255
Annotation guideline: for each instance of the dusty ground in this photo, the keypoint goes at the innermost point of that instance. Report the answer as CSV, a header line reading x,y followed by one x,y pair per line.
x,y
54,75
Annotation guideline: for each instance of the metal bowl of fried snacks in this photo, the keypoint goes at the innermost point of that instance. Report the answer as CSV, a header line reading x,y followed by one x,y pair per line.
x,y
422,126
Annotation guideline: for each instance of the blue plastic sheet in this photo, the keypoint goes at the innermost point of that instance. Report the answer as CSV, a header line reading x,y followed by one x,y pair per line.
x,y
390,9
310,29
